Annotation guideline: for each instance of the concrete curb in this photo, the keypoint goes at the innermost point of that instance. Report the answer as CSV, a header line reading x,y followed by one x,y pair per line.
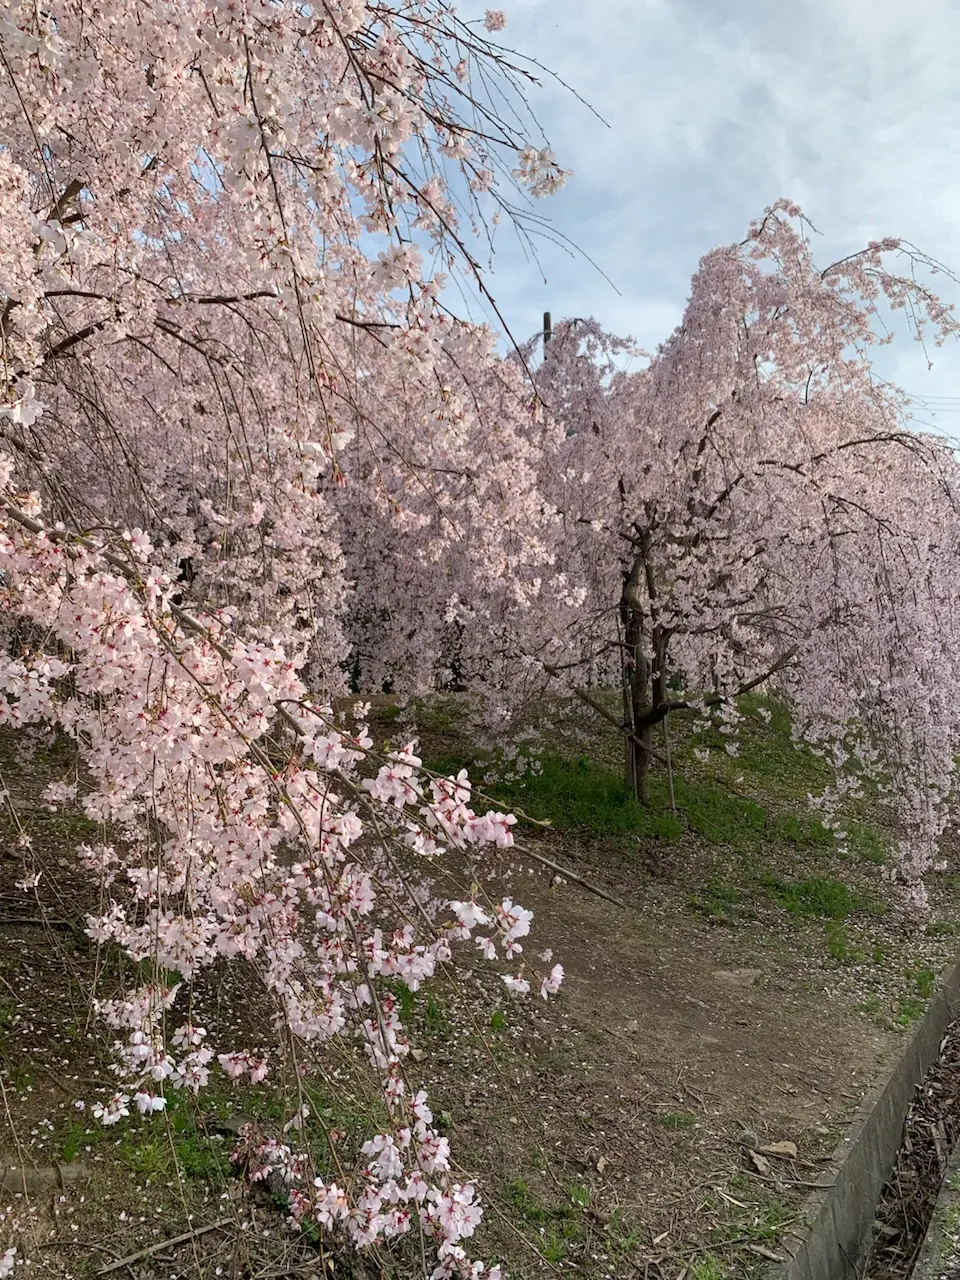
x,y
838,1218
940,1256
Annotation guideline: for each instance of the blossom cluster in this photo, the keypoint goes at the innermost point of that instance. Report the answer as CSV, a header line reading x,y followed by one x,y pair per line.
x,y
246,830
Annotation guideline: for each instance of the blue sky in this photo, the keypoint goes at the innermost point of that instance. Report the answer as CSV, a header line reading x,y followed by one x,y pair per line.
x,y
715,108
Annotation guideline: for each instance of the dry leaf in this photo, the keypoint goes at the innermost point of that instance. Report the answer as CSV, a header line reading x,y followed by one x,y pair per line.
x,y
601,1164
784,1149
760,1163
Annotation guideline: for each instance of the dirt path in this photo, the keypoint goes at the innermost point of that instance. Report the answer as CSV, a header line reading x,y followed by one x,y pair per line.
x,y
665,1056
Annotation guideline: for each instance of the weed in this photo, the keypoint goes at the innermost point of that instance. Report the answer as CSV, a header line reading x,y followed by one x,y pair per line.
x,y
942,929
497,1020
553,1248
621,1240
73,1142
872,1005
709,1267
837,944
719,903
677,1120
579,1194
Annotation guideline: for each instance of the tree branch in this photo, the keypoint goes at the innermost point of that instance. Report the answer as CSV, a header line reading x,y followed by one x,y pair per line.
x,y
663,709
601,710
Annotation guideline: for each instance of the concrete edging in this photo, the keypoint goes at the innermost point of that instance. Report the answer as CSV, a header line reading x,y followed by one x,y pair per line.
x,y
838,1218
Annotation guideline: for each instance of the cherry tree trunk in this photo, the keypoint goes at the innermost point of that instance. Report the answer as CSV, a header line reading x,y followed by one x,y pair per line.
x,y
641,680
636,690
637,775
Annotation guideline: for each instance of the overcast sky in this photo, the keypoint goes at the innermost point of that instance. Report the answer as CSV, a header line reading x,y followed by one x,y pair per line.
x,y
716,108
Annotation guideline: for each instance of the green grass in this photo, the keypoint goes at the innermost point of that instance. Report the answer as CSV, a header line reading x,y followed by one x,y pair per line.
x,y
760,1223
817,896
868,843
420,1008
943,929
621,1237
579,1194
924,980
584,795
840,948
8,1013
558,1225
872,1005
748,803
720,903
721,816
520,1196
191,1153
912,1003
273,1105
73,1142
171,1143
767,754
677,1120
709,1267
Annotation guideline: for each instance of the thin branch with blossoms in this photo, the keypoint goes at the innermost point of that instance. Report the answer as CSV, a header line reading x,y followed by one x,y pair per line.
x,y
236,896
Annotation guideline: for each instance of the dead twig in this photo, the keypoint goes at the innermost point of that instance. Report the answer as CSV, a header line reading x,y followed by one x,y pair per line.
x,y
39,921
567,874
165,1244
789,1182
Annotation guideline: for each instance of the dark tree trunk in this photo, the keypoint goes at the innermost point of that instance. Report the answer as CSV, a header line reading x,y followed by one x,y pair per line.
x,y
638,765
644,667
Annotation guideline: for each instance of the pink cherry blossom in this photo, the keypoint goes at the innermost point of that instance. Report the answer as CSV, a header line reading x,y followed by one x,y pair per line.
x,y
551,983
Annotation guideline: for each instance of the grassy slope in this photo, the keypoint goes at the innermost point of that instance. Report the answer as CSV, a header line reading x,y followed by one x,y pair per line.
x,y
751,809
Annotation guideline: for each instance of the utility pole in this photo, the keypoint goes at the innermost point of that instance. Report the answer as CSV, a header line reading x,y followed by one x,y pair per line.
x,y
547,330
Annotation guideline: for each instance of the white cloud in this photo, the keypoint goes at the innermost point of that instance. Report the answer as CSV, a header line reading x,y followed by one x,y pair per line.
x,y
716,108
